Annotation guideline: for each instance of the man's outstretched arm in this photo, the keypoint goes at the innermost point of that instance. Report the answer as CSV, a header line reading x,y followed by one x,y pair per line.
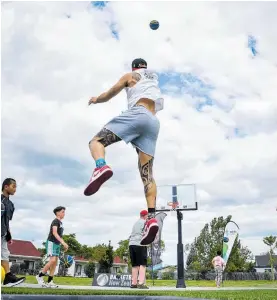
x,y
112,92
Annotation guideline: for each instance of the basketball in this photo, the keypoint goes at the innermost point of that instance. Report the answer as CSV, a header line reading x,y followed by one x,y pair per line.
x,y
3,273
225,240
154,25
67,261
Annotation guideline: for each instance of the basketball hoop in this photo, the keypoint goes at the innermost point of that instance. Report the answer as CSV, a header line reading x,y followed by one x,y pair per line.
x,y
173,205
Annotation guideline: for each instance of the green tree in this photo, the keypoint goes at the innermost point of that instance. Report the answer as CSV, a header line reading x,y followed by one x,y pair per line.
x,y
98,252
205,246
123,250
74,247
239,258
90,269
87,252
271,242
106,262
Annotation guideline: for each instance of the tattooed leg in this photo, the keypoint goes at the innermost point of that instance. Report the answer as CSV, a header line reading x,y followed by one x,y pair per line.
x,y
145,165
103,139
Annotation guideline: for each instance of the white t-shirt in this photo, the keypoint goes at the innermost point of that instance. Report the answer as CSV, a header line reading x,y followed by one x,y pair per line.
x,y
146,87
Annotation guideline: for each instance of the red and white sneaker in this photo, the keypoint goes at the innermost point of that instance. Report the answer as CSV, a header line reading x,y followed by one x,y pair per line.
x,y
99,176
149,233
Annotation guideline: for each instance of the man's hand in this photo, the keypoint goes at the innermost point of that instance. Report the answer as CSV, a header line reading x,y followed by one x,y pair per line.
x,y
65,246
92,100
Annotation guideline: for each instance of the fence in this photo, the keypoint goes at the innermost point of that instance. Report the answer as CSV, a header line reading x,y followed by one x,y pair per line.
x,y
226,276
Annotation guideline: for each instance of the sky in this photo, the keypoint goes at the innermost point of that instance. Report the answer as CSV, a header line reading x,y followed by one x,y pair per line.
x,y
217,64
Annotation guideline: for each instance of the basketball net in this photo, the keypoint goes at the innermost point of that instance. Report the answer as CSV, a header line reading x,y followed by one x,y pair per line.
x,y
173,206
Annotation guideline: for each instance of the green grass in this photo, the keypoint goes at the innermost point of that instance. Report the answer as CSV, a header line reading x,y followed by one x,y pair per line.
x,y
211,283
169,283
64,280
230,295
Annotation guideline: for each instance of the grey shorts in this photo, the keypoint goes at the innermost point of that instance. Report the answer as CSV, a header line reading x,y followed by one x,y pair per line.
x,y
137,126
5,253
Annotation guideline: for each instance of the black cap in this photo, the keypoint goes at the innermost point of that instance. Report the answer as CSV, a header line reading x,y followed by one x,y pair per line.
x,y
139,63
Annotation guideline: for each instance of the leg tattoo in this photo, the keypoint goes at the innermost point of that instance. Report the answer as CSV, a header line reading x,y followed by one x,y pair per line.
x,y
146,173
106,137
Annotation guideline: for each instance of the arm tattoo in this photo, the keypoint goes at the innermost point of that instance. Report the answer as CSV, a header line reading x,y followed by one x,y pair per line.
x,y
106,96
136,76
112,92
106,137
146,173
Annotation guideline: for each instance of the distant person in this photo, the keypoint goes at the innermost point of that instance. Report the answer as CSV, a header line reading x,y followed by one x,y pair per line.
x,y
138,253
219,266
53,248
7,210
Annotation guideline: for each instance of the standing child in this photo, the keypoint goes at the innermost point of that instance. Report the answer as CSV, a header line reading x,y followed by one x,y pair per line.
x,y
219,266
53,248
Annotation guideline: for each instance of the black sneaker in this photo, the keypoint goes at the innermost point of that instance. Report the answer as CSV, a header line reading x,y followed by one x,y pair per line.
x,y
11,280
134,286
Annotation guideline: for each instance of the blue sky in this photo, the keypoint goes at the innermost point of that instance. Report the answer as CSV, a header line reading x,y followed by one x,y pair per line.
x,y
218,127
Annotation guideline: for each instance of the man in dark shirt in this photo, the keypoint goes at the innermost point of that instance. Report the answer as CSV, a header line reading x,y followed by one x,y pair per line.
x,y
7,210
53,248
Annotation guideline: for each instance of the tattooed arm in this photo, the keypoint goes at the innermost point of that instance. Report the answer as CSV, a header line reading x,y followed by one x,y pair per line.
x,y
117,88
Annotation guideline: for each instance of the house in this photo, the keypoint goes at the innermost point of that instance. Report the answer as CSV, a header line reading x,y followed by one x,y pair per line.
x,y
119,266
25,252
78,267
168,269
262,263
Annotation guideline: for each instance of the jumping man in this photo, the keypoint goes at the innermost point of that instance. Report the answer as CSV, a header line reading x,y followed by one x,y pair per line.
x,y
138,125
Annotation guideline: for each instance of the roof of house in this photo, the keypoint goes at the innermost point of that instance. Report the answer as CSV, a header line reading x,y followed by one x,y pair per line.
x,y
118,260
263,260
23,248
80,258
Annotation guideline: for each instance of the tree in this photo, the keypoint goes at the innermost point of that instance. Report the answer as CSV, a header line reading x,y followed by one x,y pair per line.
x,y
98,252
205,246
90,269
106,262
74,247
87,252
271,242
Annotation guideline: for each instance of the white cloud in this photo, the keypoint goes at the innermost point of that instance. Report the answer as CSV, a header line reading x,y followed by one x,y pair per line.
x,y
52,65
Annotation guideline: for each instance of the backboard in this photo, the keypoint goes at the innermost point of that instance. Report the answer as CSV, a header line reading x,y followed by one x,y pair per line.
x,y
176,197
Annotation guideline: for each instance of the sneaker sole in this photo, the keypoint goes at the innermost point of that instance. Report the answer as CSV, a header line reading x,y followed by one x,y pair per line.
x,y
39,283
95,185
150,237
52,287
14,283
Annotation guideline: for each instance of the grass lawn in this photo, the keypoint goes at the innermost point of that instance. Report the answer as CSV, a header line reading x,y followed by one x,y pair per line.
x,y
170,283
255,295
211,283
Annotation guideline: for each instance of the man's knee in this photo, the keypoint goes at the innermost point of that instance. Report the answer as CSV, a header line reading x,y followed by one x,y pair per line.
x,y
105,137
